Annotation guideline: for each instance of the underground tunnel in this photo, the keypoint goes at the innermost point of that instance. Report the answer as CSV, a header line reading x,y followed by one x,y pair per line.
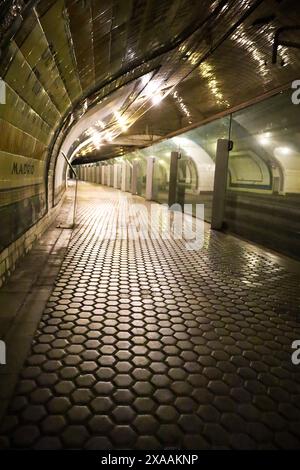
x,y
149,225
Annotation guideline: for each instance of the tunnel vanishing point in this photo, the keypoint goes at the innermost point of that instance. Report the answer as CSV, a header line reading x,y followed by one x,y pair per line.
x,y
149,224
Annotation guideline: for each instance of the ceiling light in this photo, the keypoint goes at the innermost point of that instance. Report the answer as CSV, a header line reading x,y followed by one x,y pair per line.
x,y
121,121
284,150
100,124
156,99
109,136
265,139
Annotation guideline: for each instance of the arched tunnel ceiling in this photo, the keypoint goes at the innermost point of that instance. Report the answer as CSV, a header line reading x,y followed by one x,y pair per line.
x,y
172,63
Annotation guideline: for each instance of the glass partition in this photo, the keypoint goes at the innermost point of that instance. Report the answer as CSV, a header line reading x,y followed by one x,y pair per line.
x,y
263,196
138,173
263,189
196,167
266,153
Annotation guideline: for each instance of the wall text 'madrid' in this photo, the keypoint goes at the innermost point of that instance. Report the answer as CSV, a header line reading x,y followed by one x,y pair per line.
x,y
22,168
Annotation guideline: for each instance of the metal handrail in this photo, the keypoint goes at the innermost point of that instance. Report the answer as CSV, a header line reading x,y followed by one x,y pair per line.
x,y
76,184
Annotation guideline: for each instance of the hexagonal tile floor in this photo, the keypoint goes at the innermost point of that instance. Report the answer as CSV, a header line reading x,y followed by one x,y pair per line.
x,y
144,344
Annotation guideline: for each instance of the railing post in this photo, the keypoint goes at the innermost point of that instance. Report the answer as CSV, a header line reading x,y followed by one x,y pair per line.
x,y
149,178
134,177
173,178
76,184
220,183
124,175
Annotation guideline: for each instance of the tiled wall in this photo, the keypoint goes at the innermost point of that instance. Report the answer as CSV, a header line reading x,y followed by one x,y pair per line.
x,y
11,254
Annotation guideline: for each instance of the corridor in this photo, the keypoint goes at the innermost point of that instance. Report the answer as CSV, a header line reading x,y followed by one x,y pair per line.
x,y
145,344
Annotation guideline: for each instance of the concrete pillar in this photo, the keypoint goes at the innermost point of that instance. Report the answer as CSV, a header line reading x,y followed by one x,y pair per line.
x,y
129,177
134,177
124,175
126,185
111,168
103,174
98,174
149,178
108,175
119,175
220,183
173,178
116,174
